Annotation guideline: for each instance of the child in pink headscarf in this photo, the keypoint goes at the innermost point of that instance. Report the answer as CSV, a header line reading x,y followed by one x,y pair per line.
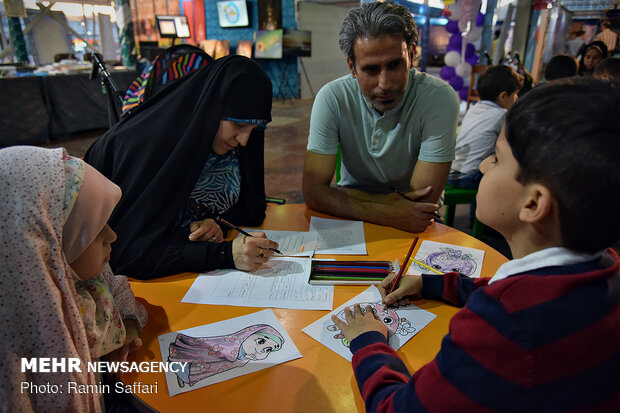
x,y
208,356
58,297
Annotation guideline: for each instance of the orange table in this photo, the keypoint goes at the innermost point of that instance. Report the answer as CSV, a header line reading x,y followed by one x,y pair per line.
x,y
320,381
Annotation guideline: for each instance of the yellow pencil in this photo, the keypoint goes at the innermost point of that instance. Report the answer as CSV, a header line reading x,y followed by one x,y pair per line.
x,y
436,271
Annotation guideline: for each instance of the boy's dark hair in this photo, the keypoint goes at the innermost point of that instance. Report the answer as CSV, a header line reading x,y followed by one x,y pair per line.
x,y
608,69
498,79
565,136
560,66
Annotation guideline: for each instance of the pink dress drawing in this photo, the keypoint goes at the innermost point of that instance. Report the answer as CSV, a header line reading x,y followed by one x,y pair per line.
x,y
208,356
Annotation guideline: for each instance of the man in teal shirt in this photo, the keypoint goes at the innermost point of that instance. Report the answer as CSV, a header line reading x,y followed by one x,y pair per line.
x,y
394,125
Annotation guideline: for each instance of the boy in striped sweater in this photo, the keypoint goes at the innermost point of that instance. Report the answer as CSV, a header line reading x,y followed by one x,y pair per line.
x,y
543,333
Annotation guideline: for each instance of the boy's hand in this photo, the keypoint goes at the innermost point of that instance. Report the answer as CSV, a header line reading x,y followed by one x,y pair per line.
x,y
358,323
205,230
409,288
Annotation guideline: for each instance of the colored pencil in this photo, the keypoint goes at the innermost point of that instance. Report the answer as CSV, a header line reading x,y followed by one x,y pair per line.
x,y
247,234
402,268
428,267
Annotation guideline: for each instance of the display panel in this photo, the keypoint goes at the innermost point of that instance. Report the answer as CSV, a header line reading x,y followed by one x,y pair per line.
x,y
233,13
173,26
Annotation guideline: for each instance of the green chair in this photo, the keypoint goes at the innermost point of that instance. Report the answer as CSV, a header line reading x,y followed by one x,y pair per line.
x,y
454,196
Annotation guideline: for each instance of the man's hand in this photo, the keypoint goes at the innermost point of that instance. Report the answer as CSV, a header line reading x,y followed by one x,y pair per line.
x,y
409,288
359,322
249,253
205,230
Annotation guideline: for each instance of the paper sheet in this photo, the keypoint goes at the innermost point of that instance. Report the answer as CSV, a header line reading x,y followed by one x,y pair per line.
x,y
446,258
402,323
339,237
214,352
281,283
291,243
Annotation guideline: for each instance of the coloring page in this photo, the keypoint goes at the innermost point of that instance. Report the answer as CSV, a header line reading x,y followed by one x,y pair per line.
x,y
402,323
447,258
220,351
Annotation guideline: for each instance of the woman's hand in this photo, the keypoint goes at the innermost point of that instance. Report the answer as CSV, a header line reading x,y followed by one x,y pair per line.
x,y
409,288
205,230
249,253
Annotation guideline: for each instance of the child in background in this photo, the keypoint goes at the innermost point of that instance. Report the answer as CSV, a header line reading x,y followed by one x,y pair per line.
x,y
543,333
560,66
498,87
59,297
608,70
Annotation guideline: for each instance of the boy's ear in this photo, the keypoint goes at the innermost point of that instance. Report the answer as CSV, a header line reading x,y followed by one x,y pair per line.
x,y
537,205
502,96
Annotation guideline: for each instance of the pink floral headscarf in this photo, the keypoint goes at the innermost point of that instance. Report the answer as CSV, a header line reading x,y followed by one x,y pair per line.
x,y
39,307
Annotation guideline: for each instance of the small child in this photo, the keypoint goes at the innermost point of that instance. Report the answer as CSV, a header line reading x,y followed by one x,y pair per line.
x,y
543,333
498,87
559,66
59,297
608,70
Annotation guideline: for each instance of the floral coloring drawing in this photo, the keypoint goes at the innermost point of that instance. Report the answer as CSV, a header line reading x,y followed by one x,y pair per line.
x,y
207,356
394,323
448,258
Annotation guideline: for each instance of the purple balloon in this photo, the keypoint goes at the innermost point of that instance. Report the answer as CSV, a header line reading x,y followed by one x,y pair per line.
x,y
456,82
479,19
447,72
452,26
456,40
450,48
472,60
470,50
463,93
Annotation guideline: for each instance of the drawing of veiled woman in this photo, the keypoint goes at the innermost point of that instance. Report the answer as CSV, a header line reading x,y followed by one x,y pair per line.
x,y
207,356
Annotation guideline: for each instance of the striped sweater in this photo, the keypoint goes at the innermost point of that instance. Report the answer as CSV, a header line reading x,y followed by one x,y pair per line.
x,y
543,341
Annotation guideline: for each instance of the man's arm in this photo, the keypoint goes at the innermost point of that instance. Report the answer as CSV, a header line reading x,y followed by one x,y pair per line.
x,y
433,174
390,209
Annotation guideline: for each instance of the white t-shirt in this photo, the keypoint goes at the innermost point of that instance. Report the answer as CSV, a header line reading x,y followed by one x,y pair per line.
x,y
476,140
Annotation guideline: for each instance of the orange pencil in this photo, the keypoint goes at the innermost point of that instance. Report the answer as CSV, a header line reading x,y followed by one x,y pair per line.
x,y
402,268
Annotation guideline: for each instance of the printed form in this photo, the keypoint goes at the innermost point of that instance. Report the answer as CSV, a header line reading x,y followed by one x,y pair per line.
x,y
291,243
280,283
339,237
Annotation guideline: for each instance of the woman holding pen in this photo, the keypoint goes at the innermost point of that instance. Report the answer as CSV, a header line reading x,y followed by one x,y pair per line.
x,y
189,154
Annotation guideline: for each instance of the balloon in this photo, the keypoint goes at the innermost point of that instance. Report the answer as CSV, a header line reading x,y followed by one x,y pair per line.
x,y
452,58
480,20
452,26
469,50
463,93
453,49
463,69
472,60
456,83
466,81
446,72
455,10
456,40
474,34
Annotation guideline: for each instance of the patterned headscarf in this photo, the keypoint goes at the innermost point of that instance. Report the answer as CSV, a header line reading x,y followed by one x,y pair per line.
x,y
39,310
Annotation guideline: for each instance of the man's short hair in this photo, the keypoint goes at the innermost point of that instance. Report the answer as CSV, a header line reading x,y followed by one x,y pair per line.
x,y
376,19
608,69
498,79
606,24
565,136
560,66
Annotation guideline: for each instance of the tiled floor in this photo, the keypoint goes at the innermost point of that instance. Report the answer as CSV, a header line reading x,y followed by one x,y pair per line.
x,y
285,147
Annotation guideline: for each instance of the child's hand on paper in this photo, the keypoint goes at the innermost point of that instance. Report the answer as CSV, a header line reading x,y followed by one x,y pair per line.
x,y
409,288
358,322
249,253
205,230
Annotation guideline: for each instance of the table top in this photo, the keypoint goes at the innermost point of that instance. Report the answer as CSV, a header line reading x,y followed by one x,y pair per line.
x,y
321,380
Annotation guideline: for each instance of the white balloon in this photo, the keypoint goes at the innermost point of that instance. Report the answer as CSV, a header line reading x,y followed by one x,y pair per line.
x,y
452,58
463,70
474,34
466,80
456,11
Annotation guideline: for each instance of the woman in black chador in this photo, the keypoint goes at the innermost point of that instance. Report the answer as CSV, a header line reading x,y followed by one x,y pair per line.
x,y
188,154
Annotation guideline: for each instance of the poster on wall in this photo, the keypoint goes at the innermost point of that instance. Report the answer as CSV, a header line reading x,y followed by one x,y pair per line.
x,y
269,14
268,44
